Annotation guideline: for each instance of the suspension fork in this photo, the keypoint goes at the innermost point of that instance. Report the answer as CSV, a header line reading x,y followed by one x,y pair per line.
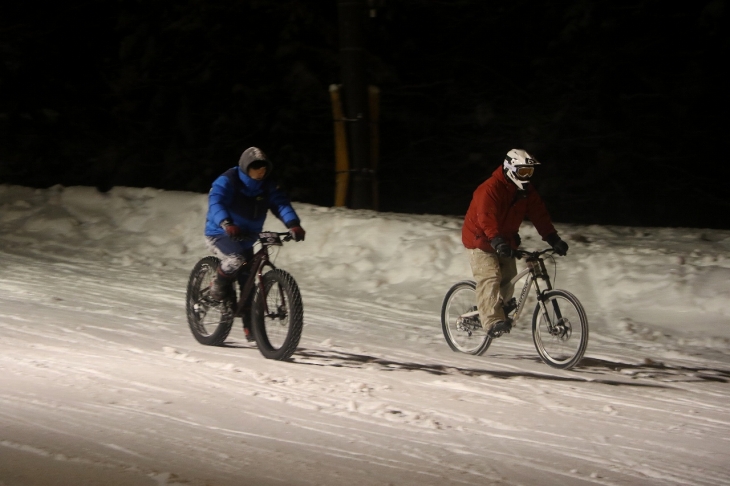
x,y
541,272
255,279
260,284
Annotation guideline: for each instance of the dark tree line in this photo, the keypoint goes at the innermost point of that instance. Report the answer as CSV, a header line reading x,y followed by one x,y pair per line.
x,y
624,102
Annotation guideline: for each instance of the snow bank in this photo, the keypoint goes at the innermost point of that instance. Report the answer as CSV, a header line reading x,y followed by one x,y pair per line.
x,y
658,277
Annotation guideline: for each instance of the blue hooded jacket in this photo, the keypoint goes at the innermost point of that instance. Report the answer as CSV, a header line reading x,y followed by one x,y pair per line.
x,y
245,201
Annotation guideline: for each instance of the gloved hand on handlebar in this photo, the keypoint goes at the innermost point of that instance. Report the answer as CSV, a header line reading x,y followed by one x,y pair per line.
x,y
297,232
501,247
236,233
560,247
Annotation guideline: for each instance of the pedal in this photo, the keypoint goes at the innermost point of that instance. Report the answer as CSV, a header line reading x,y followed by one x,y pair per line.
x,y
500,328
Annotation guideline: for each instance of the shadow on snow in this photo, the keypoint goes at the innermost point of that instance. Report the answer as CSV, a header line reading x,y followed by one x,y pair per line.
x,y
314,357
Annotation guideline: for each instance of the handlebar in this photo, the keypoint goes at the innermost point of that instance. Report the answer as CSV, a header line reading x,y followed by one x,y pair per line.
x,y
258,237
268,238
531,254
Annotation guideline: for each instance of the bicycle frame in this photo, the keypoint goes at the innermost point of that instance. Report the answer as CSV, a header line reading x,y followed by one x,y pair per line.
x,y
258,263
535,270
559,329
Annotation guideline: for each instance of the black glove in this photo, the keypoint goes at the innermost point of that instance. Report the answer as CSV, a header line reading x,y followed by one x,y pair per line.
x,y
560,247
501,247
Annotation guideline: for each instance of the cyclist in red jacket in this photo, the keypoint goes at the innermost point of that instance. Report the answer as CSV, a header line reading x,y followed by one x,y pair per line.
x,y
490,232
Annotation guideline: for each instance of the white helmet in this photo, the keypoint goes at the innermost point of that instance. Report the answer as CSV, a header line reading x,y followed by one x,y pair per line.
x,y
519,166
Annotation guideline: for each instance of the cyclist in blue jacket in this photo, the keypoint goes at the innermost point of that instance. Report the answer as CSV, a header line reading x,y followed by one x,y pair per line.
x,y
237,205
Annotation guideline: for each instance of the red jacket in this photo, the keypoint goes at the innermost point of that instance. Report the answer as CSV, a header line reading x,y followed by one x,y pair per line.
x,y
497,209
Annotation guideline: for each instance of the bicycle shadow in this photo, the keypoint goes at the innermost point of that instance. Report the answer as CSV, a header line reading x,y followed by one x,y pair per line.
x,y
341,359
243,344
655,369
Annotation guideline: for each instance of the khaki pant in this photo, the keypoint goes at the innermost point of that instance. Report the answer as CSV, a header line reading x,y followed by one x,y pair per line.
x,y
492,274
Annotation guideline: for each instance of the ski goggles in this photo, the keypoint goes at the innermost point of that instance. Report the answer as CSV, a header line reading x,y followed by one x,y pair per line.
x,y
524,171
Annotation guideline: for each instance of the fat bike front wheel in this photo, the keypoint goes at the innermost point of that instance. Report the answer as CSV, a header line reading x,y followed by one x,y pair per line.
x,y
560,330
278,329
210,321
460,320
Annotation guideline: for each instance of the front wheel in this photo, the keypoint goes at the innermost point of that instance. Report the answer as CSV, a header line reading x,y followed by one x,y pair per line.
x,y
460,320
278,326
560,331
209,321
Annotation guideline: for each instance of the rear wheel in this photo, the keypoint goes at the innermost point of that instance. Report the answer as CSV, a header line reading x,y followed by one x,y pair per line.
x,y
560,333
278,330
460,320
209,321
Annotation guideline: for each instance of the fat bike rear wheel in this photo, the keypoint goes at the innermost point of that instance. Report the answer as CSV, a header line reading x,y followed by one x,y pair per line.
x,y
278,330
460,320
210,321
560,332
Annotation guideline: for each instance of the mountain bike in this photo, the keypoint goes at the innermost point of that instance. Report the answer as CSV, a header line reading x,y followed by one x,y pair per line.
x,y
270,304
559,323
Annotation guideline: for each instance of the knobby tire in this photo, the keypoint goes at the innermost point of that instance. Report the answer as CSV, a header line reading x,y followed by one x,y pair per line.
x,y
209,321
277,334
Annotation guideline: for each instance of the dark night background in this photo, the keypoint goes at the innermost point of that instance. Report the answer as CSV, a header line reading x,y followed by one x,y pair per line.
x,y
623,102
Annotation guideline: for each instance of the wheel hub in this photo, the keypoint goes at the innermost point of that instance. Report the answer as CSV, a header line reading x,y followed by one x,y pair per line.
x,y
562,330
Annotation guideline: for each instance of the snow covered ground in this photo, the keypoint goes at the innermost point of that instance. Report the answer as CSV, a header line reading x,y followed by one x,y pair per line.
x,y
102,383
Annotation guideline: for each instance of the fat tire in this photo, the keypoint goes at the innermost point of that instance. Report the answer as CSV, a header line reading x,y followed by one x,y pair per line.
x,y
577,355
215,332
479,348
262,326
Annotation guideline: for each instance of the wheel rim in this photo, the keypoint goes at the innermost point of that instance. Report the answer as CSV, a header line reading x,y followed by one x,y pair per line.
x,y
276,322
208,315
564,342
466,335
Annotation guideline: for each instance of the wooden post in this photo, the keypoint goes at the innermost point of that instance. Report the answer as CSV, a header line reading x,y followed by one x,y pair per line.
x,y
342,160
374,100
352,15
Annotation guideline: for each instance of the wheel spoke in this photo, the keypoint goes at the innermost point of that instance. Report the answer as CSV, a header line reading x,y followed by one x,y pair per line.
x,y
460,322
561,335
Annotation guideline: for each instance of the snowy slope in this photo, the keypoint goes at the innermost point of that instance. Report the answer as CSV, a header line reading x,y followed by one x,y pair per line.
x,y
101,382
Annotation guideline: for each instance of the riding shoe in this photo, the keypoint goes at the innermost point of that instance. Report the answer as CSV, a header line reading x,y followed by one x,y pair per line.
x,y
220,286
249,335
502,327
509,306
